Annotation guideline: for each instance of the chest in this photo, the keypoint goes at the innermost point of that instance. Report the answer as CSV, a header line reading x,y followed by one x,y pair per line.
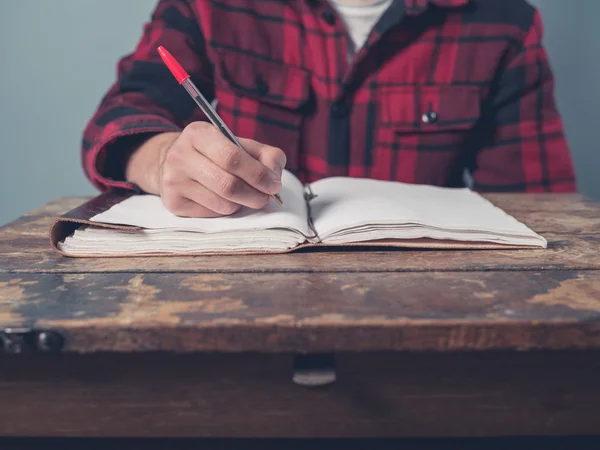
x,y
434,47
417,86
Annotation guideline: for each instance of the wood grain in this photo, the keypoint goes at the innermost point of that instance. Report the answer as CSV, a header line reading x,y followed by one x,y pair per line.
x,y
571,223
427,343
541,201
496,443
308,312
239,396
26,254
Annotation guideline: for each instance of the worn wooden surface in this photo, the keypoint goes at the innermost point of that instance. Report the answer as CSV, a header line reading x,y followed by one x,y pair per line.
x,y
249,395
571,224
427,343
308,312
316,301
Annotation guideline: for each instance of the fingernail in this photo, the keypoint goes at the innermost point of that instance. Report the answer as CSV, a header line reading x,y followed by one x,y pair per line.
x,y
278,170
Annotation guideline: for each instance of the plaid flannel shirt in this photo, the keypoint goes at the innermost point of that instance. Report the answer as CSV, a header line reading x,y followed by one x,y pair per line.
x,y
441,88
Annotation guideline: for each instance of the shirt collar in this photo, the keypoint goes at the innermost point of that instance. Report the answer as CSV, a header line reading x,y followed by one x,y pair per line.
x,y
418,6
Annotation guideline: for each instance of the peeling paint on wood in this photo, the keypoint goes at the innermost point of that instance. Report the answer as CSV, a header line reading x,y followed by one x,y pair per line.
x,y
579,294
310,312
11,295
316,301
440,318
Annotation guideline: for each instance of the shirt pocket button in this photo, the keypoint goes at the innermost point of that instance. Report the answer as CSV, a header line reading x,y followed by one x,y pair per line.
x,y
429,117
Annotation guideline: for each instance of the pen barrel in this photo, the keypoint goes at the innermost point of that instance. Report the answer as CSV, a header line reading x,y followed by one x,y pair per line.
x,y
208,110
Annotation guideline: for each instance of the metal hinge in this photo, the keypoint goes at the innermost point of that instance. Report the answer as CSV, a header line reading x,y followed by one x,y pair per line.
x,y
15,341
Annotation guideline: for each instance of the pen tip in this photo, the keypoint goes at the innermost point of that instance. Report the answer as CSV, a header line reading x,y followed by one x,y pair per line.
x,y
278,199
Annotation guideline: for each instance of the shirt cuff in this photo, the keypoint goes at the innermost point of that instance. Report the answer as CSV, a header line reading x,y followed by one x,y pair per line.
x,y
107,159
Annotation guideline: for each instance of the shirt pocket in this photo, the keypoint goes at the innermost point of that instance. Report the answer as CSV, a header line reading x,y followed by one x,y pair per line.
x,y
263,100
422,132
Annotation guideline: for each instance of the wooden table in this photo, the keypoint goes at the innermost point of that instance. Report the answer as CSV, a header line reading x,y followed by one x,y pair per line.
x,y
421,343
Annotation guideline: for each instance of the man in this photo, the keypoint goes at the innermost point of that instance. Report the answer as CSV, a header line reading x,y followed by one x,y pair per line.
x,y
418,91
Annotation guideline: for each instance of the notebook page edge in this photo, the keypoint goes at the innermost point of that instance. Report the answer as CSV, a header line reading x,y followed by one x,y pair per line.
x,y
515,227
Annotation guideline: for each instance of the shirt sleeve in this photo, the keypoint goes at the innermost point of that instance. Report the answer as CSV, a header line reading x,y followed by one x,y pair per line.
x,y
146,99
526,148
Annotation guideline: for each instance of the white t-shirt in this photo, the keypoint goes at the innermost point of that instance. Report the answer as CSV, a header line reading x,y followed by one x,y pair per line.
x,y
359,18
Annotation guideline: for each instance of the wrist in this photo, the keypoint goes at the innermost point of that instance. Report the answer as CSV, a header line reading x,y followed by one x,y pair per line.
x,y
144,165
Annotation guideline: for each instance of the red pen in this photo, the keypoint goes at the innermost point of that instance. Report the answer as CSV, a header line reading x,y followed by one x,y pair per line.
x,y
183,79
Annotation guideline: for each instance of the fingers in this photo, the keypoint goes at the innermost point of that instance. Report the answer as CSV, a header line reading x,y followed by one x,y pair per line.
x,y
239,162
190,199
184,207
200,194
204,174
228,186
225,187
272,157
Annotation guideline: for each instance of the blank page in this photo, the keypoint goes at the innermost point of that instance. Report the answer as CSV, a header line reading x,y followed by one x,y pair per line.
x,y
346,203
147,211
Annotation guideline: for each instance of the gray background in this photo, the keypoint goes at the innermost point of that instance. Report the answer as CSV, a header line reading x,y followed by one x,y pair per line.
x,y
58,58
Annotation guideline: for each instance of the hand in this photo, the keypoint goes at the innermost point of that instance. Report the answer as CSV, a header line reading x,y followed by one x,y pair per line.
x,y
201,173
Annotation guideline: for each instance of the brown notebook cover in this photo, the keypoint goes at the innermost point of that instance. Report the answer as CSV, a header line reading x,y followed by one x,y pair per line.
x,y
64,225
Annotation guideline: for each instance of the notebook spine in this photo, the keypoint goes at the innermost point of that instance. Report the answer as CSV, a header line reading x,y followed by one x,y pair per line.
x,y
308,196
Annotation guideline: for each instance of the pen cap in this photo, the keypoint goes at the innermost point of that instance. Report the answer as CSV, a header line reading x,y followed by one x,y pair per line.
x,y
178,72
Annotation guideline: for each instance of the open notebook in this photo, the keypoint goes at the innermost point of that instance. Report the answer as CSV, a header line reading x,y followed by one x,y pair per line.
x,y
332,211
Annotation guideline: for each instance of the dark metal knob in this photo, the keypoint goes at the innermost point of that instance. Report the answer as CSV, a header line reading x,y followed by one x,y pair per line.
x,y
314,370
49,341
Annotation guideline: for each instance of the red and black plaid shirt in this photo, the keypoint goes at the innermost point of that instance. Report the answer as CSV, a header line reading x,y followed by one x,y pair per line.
x,y
440,89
